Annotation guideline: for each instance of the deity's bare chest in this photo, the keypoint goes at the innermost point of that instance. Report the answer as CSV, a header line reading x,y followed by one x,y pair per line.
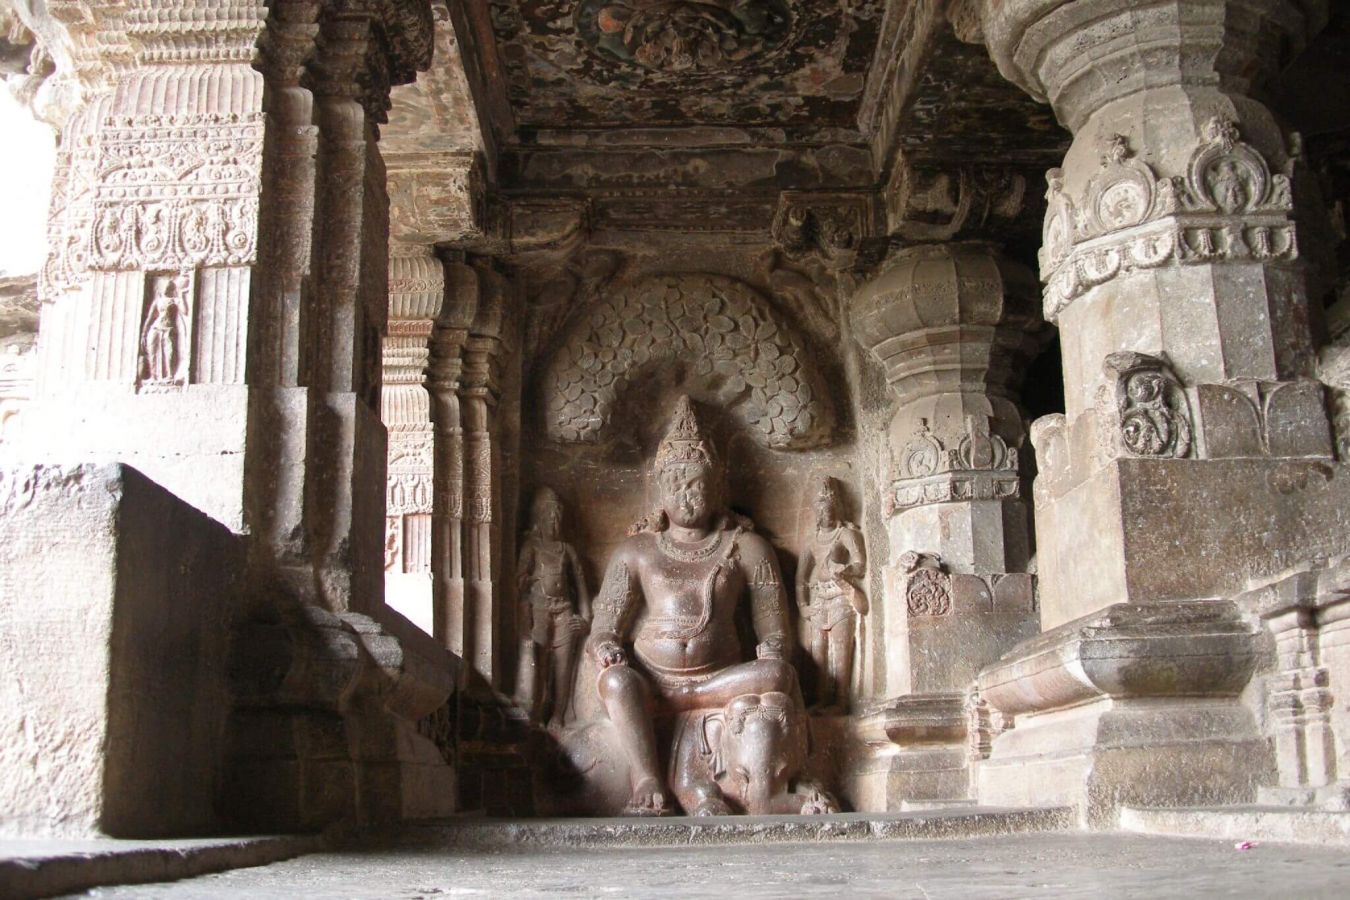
x,y
687,590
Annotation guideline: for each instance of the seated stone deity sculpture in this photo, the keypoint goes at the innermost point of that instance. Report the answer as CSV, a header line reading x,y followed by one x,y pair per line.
x,y
554,612
829,598
671,594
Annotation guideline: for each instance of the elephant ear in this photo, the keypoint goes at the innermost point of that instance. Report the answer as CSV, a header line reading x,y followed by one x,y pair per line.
x,y
710,742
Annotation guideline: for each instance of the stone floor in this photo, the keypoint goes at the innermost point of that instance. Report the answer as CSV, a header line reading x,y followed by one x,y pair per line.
x,y
1024,865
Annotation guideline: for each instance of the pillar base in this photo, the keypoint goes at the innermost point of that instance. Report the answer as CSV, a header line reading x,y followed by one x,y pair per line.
x,y
1136,705
909,753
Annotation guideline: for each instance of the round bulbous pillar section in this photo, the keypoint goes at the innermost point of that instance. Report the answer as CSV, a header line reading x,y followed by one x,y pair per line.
x,y
955,326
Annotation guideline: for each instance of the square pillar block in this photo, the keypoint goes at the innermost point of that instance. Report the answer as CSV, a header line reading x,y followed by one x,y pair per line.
x,y
1134,705
1143,530
115,605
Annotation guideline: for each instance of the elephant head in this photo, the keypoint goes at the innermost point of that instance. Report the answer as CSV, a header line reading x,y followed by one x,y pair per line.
x,y
756,747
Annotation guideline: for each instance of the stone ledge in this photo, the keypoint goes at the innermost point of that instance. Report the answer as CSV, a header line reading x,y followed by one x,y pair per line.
x,y
499,834
1242,823
1167,649
42,868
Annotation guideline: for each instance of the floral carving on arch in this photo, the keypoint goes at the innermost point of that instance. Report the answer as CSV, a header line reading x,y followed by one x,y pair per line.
x,y
724,334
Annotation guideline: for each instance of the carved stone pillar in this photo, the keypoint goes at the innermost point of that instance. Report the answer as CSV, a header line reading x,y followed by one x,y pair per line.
x,y
154,242
206,318
487,633
1194,453
444,371
210,320
955,326
416,286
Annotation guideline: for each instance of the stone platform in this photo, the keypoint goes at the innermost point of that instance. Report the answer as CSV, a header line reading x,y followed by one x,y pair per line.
x,y
495,834
45,868
1058,865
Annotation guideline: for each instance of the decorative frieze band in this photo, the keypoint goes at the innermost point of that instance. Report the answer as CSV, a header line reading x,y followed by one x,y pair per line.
x,y
1228,206
934,468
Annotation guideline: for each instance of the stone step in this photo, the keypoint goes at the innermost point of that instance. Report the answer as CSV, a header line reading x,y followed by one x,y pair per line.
x,y
40,867
1243,823
485,833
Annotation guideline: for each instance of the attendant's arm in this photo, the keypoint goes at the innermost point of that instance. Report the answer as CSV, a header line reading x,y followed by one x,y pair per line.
x,y
857,556
524,570
579,581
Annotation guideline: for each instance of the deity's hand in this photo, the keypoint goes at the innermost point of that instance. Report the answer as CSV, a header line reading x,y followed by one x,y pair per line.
x,y
770,648
607,652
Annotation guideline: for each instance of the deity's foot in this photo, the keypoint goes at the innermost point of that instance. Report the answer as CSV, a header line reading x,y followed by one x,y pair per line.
x,y
649,799
816,802
712,806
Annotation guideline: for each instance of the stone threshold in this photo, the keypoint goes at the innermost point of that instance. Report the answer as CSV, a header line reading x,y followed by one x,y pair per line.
x,y
678,831
1280,824
44,867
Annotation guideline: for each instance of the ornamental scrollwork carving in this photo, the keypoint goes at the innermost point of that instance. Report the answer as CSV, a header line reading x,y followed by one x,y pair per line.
x,y
409,487
1152,416
928,591
166,192
829,227
1228,205
683,36
718,329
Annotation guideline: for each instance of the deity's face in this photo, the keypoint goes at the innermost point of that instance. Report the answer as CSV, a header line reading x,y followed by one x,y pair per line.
x,y
688,494
548,519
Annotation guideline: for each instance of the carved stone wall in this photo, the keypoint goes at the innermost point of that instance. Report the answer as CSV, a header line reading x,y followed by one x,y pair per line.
x,y
718,329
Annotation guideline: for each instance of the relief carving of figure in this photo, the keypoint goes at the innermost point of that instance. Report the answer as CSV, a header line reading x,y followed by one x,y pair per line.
x,y
555,612
829,598
665,641
165,335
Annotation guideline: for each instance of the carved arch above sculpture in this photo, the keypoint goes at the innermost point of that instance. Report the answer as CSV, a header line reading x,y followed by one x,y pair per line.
x,y
721,329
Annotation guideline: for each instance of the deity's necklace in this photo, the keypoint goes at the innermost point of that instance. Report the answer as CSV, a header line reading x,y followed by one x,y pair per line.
x,y
680,554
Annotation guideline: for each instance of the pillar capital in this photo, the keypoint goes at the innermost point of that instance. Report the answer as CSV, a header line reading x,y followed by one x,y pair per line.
x,y
1080,55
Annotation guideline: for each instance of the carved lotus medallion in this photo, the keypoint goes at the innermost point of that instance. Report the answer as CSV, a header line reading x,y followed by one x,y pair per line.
x,y
683,36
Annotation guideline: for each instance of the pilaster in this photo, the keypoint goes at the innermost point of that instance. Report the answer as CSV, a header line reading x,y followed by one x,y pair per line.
x,y
955,326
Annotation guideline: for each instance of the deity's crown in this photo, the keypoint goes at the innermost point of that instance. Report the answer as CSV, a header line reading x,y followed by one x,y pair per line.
x,y
825,491
683,443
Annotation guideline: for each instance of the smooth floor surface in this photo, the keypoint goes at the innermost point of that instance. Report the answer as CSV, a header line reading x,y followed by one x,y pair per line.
x,y
1039,865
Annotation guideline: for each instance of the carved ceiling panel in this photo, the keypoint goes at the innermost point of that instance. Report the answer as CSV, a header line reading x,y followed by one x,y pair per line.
x,y
637,63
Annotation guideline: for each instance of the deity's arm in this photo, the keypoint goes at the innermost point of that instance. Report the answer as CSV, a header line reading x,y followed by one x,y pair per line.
x,y
579,582
613,610
768,604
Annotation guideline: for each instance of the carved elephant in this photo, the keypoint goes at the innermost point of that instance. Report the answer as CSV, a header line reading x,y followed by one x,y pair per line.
x,y
747,757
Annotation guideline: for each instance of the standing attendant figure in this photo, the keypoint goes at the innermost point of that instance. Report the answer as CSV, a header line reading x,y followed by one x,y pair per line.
x,y
829,598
